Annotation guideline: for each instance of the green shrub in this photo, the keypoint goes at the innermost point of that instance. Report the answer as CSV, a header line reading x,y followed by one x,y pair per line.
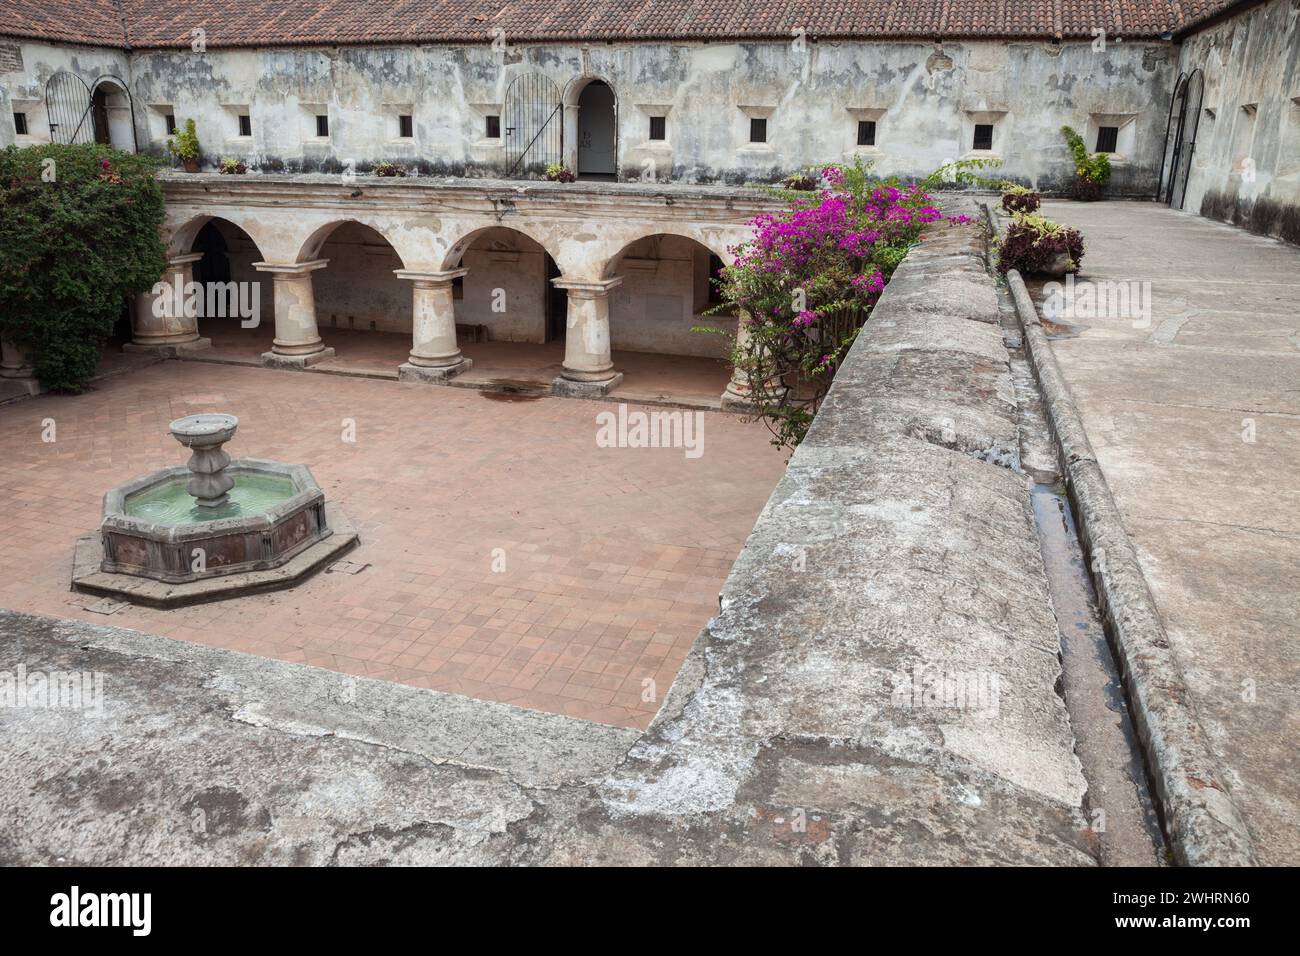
x,y
1092,172
185,144
79,234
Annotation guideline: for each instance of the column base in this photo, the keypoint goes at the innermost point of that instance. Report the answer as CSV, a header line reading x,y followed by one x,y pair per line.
x,y
12,388
735,402
276,360
568,388
435,375
168,349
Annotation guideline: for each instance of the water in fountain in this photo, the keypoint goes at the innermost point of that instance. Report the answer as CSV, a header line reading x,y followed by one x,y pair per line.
x,y
171,503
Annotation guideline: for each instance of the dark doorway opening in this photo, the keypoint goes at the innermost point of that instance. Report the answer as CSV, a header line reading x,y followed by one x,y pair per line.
x,y
99,112
557,304
597,132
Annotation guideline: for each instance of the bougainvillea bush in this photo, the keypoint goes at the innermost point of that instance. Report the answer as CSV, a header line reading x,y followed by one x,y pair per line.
x,y
1034,245
1020,199
79,235
806,280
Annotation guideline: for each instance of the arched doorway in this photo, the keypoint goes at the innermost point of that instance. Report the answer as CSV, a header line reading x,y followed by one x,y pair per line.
x,y
234,293
597,132
101,112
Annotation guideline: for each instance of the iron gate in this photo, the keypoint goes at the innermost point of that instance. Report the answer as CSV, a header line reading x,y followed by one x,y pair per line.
x,y
70,105
1180,137
534,124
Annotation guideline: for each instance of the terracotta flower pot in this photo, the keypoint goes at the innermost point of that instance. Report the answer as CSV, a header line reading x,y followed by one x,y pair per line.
x,y
191,165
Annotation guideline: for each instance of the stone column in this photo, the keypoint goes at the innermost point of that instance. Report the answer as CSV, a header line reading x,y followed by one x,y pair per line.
x,y
297,342
434,355
16,373
739,393
588,369
737,397
569,157
168,324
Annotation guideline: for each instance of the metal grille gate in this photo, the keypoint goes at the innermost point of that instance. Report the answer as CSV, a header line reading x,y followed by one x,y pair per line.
x,y
70,105
534,124
1180,137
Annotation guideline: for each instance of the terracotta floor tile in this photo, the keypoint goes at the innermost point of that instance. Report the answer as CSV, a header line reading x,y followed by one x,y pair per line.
x,y
614,557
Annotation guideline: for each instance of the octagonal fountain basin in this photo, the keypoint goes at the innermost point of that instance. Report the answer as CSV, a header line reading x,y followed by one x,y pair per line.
x,y
212,528
154,527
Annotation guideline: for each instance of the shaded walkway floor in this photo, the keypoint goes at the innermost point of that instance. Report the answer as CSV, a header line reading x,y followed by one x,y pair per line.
x,y
1195,419
648,377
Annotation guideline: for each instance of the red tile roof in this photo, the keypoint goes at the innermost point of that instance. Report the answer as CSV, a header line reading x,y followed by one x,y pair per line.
x,y
244,23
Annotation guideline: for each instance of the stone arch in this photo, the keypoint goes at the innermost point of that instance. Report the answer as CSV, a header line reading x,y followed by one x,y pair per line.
x,y
183,236
309,248
506,288
451,259
712,242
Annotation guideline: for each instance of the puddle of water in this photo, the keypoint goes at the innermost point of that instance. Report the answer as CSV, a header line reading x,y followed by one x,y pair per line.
x,y
502,390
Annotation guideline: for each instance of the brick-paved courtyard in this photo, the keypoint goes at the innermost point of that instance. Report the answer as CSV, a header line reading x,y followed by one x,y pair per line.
x,y
613,557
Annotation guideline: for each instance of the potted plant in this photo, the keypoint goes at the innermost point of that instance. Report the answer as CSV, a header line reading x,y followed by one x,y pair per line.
x,y
185,147
389,169
560,174
1034,245
231,167
1017,198
1091,172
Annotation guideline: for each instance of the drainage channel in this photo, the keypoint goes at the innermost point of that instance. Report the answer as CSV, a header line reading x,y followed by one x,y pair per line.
x,y
1119,805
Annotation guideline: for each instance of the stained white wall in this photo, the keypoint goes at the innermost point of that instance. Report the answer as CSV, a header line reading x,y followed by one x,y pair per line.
x,y
1246,166
925,99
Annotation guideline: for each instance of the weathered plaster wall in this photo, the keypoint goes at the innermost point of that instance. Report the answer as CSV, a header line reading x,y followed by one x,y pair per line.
x,y
924,99
502,259
25,69
664,292
1246,167
358,290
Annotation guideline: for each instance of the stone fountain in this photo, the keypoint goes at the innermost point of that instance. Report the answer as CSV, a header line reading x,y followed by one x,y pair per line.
x,y
214,528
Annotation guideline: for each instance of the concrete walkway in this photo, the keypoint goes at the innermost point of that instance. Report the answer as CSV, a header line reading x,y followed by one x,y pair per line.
x,y
1195,419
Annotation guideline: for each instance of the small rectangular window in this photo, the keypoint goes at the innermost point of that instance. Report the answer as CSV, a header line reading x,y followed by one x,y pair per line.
x,y
757,130
1107,138
20,124
169,122
494,127
866,132
245,125
405,127
983,136
322,126
658,127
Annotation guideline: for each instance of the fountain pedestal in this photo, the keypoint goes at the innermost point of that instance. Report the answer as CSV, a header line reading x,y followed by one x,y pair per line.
x,y
205,435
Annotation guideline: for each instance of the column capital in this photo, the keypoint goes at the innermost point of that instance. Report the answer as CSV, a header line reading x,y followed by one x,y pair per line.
x,y
435,277
290,269
184,259
587,288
